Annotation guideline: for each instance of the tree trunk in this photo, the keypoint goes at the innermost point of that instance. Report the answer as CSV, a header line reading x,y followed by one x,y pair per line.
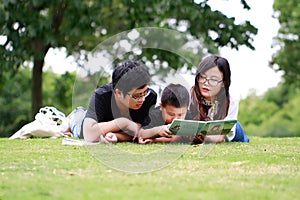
x,y
38,62
36,86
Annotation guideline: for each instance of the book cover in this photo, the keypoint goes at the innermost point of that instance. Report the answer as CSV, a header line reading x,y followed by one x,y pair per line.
x,y
218,127
193,127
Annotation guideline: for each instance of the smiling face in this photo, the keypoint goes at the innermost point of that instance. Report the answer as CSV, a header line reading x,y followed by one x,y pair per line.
x,y
210,82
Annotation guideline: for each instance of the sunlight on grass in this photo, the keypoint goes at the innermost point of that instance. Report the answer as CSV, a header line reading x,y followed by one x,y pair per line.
x,y
266,168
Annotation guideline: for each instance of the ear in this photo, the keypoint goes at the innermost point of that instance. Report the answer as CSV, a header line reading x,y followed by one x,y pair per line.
x,y
118,93
160,107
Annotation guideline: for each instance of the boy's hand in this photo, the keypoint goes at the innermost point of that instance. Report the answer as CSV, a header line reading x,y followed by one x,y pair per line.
x,y
164,131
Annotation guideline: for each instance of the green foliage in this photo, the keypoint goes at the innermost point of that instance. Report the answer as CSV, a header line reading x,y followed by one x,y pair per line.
x,y
58,92
79,25
288,40
30,28
254,110
48,87
45,169
15,102
281,94
275,114
84,87
63,91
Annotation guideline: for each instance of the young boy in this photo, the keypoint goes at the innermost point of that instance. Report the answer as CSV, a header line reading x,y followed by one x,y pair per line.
x,y
117,110
175,101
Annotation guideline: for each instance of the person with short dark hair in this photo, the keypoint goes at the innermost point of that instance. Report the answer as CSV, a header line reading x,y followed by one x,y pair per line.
x,y
117,110
174,104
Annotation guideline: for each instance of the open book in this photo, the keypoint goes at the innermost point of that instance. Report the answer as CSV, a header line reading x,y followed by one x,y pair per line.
x,y
193,127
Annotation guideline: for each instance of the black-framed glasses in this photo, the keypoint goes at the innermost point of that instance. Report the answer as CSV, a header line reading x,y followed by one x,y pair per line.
x,y
211,82
140,96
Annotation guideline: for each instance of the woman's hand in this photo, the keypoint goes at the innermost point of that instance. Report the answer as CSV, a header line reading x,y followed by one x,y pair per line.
x,y
199,139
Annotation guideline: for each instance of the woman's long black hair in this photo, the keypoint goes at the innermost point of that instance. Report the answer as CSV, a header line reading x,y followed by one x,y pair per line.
x,y
198,110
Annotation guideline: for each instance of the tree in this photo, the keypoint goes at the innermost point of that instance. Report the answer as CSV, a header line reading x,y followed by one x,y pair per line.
x,y
275,114
281,94
16,98
287,58
29,28
15,95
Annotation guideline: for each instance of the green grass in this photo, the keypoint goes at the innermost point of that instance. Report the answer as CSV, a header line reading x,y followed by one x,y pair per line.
x,y
266,168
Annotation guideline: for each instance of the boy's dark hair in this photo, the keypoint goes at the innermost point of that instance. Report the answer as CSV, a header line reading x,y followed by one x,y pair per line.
x,y
129,75
175,95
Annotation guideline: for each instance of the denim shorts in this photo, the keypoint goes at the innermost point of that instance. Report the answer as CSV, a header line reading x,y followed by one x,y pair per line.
x,y
76,117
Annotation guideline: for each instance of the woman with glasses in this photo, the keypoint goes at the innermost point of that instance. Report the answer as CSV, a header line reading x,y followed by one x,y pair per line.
x,y
211,99
117,110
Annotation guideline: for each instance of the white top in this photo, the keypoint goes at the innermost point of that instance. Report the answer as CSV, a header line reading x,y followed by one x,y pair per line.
x,y
232,114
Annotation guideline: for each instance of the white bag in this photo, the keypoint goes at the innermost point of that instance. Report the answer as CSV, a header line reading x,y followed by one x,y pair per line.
x,y
49,122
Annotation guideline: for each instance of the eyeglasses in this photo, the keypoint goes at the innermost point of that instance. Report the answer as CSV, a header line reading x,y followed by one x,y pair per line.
x,y
140,96
211,82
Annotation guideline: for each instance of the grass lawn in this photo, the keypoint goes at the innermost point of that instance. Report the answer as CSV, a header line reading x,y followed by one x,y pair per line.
x,y
266,168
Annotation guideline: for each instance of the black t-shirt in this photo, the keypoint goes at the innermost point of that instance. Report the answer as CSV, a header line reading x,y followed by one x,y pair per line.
x,y
156,118
103,108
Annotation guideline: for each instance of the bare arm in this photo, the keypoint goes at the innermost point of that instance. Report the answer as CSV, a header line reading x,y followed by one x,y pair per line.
x,y
162,131
215,138
173,138
92,130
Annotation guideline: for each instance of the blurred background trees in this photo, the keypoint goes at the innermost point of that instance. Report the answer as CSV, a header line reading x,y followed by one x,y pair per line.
x,y
15,96
28,29
277,112
287,57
